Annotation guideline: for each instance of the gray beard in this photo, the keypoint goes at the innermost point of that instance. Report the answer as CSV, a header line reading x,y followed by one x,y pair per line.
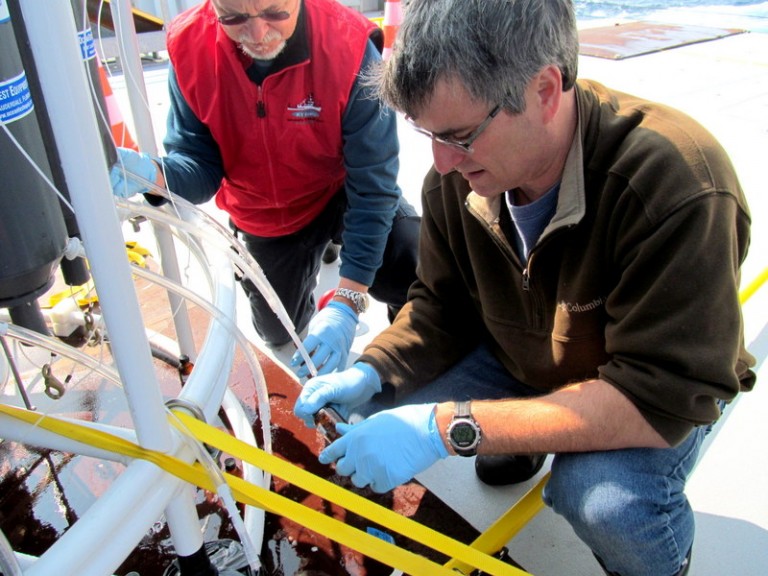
x,y
264,57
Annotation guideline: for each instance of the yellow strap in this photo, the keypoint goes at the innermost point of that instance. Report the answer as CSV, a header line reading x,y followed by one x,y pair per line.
x,y
349,500
498,534
250,494
753,286
72,291
133,246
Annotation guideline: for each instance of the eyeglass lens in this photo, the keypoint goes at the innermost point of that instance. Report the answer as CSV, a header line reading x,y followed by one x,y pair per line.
x,y
462,145
241,18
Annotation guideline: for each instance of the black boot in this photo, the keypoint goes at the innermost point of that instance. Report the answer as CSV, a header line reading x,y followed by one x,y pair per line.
x,y
331,253
505,469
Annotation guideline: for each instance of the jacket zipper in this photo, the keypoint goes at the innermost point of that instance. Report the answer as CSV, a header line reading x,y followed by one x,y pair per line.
x,y
261,109
512,255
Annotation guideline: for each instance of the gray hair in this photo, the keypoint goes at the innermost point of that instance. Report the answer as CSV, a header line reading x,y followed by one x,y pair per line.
x,y
493,48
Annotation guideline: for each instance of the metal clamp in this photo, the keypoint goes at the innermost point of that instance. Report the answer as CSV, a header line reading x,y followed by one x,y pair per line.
x,y
196,412
53,387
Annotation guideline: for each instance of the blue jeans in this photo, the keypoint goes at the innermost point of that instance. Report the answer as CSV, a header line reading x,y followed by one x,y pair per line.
x,y
628,506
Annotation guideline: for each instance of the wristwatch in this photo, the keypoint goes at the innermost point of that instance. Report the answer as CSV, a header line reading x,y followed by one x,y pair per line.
x,y
463,432
359,299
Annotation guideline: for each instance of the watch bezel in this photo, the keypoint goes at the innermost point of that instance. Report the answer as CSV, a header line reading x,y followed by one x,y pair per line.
x,y
462,417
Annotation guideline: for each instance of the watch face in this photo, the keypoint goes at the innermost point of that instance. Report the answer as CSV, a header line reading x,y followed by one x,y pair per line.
x,y
463,434
359,299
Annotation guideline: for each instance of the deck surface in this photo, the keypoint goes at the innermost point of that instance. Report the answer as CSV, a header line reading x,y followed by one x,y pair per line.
x,y
621,41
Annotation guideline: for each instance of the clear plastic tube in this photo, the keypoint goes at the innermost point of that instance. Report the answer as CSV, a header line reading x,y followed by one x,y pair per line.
x,y
234,250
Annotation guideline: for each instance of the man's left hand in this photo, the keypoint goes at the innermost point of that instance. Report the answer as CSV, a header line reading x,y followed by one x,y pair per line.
x,y
387,449
329,339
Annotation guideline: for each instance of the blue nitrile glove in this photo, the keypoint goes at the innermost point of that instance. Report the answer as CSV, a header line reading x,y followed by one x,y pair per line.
x,y
329,338
344,390
133,162
387,449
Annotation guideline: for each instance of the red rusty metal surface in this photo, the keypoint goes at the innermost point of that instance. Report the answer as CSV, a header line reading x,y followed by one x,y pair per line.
x,y
637,38
316,554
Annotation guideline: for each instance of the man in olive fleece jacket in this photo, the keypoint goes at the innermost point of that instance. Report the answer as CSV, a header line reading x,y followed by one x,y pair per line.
x,y
578,278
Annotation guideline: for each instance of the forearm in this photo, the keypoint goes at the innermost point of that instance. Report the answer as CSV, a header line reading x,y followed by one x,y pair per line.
x,y
190,177
588,416
160,178
192,167
193,183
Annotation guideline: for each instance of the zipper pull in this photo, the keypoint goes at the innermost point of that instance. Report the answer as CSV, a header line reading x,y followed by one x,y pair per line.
x,y
526,280
261,110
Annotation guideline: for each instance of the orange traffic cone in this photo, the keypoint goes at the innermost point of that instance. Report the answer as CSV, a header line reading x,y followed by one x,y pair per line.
x,y
120,131
393,16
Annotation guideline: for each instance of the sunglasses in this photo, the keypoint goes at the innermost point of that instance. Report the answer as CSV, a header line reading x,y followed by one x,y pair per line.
x,y
241,17
465,145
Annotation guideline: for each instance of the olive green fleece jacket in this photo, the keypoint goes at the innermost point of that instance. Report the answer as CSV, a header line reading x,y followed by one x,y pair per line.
x,y
635,280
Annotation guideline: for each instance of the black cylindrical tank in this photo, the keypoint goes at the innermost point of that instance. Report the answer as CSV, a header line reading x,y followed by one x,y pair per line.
x,y
32,229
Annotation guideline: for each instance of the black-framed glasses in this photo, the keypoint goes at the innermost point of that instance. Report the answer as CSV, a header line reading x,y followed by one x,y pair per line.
x,y
464,145
238,18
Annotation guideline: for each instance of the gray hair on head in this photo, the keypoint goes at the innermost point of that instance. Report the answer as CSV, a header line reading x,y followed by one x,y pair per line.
x,y
493,48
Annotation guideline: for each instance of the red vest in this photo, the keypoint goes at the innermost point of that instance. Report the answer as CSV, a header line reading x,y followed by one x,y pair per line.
x,y
281,142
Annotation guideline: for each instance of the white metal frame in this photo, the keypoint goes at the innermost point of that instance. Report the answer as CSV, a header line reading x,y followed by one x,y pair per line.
x,y
111,528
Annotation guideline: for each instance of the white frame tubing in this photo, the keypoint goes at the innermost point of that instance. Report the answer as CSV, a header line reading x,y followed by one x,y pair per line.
x,y
128,48
75,129
74,122
109,531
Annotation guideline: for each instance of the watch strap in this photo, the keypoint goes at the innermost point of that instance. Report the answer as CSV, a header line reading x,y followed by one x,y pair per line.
x,y
462,409
359,299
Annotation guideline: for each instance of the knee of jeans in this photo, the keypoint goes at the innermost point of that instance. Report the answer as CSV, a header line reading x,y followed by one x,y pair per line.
x,y
583,490
622,514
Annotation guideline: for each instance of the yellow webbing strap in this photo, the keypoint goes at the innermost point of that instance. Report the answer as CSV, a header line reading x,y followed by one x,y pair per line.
x,y
753,286
350,501
507,525
253,495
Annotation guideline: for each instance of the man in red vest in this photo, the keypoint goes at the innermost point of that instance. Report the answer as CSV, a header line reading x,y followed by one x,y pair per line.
x,y
268,116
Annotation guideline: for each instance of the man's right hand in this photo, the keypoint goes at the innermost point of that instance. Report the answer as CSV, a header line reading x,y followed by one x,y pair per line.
x,y
344,390
131,162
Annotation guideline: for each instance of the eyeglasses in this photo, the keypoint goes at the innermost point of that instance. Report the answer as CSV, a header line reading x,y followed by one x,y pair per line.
x,y
238,18
465,145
